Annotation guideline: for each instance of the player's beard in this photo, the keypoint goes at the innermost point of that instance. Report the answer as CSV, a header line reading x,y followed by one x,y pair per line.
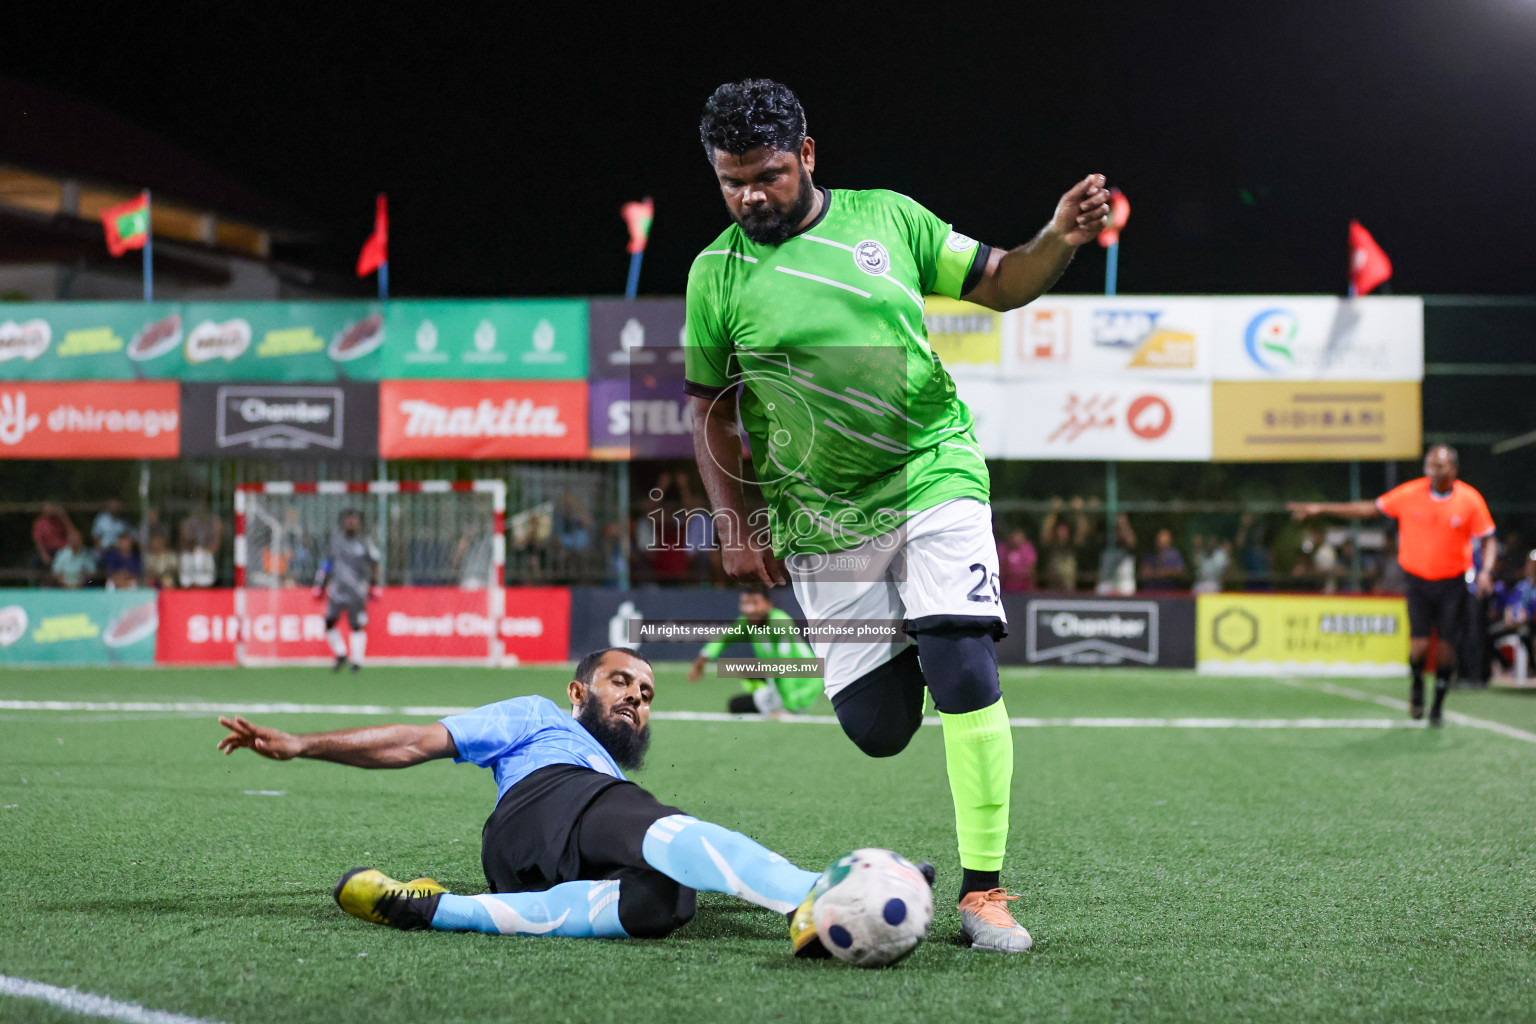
x,y
772,227
624,743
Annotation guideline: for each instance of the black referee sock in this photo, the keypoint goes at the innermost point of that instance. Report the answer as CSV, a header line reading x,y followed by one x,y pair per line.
x,y
979,881
1416,688
1442,684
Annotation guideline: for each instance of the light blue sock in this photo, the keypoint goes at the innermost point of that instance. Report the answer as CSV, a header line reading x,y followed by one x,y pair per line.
x,y
578,910
704,856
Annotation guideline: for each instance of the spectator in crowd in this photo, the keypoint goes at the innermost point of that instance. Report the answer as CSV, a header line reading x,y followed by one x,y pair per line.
x,y
72,564
1016,560
699,540
1163,567
1117,562
573,524
1391,579
121,564
1059,543
1213,558
1256,562
108,525
426,560
1518,614
152,525
159,563
201,536
1318,565
50,532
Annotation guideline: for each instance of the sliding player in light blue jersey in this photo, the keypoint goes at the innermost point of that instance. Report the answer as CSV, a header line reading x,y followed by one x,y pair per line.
x,y
572,848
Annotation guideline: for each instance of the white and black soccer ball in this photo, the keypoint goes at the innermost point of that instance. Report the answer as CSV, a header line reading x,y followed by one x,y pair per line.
x,y
872,907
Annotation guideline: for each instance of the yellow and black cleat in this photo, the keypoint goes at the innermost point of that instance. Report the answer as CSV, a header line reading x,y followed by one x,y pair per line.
x,y
802,931
372,895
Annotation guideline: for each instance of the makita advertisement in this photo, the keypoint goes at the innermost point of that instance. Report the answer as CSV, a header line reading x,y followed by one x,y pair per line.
x,y
510,419
1093,631
281,420
404,624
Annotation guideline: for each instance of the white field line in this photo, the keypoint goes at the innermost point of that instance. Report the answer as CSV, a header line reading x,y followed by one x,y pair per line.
x,y
1351,693
88,1005
201,707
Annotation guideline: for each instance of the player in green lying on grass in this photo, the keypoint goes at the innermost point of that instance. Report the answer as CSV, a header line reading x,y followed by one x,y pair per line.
x,y
572,848
773,635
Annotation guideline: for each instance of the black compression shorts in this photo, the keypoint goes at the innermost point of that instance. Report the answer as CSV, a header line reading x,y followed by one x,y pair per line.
x,y
1436,604
563,823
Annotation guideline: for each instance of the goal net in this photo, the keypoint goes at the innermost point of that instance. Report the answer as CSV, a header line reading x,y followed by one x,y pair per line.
x,y
441,551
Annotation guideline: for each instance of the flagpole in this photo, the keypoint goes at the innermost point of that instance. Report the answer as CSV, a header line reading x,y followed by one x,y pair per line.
x,y
634,274
1111,268
149,252
384,281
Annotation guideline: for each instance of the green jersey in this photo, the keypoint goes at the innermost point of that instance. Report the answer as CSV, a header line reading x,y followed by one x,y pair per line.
x,y
853,423
777,638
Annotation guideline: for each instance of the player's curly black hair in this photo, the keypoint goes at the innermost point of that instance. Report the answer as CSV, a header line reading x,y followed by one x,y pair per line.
x,y
741,116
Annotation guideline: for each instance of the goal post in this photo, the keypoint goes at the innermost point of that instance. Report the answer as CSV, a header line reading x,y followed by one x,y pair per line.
x,y
441,548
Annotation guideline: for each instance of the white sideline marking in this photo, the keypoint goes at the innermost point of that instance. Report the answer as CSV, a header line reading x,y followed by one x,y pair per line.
x,y
724,716
87,1005
1401,705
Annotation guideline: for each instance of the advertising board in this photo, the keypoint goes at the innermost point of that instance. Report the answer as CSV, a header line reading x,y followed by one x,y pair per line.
x,y
508,419
1318,338
522,339
1301,634
1104,418
281,420
126,420
406,623
1272,421
77,627
1098,631
626,336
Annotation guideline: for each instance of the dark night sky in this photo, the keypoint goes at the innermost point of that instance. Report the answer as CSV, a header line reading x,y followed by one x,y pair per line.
x,y
1245,138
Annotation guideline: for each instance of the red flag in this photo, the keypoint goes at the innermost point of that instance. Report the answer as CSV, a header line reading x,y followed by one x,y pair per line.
x,y
639,216
1368,265
1119,213
376,249
127,224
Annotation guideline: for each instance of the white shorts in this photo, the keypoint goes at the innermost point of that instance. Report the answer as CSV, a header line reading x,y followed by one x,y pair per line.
x,y
941,565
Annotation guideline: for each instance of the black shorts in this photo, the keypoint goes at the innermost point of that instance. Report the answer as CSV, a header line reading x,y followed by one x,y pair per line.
x,y
357,614
1436,604
564,823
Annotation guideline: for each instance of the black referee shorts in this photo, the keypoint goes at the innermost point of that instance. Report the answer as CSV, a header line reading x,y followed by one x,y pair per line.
x,y
1436,604
566,823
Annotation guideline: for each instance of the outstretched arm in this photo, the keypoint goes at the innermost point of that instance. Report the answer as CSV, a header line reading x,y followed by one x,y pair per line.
x,y
373,746
717,448
1342,509
1019,276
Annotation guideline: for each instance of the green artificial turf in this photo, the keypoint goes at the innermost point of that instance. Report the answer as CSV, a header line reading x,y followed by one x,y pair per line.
x,y
1166,874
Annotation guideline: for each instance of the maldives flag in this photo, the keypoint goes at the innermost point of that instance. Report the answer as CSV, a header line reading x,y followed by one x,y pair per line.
x,y
1368,265
127,224
376,249
639,216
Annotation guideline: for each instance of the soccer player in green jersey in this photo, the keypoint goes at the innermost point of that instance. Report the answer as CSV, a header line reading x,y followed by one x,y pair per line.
x,y
805,320
773,635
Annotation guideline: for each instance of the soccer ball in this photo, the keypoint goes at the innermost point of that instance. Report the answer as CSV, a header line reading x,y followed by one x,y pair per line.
x,y
872,907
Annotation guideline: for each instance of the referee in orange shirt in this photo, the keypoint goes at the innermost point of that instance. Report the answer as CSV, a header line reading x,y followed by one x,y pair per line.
x,y
1438,518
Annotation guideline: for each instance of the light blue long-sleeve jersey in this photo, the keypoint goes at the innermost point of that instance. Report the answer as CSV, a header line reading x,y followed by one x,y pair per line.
x,y
517,737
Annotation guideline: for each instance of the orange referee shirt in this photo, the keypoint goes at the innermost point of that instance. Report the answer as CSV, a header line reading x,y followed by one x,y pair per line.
x,y
1435,532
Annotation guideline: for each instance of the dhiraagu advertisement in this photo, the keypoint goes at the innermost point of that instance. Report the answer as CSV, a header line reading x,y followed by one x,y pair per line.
x,y
78,627
1301,634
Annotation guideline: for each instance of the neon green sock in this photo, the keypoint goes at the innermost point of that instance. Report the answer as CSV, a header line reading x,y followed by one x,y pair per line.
x,y
978,752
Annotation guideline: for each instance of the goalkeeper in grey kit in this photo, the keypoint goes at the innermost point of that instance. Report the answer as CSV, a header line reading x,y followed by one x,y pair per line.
x,y
347,579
